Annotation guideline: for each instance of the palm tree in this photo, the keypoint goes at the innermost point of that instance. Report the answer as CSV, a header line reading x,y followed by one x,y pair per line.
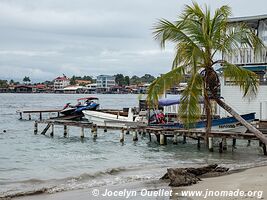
x,y
199,37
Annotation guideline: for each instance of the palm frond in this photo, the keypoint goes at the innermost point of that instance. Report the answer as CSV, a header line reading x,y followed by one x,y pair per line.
x,y
163,83
245,79
189,109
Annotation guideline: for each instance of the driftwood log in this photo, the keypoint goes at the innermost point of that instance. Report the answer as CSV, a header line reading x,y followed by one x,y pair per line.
x,y
188,176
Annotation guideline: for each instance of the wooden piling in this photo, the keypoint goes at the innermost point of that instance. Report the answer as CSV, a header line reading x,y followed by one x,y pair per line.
x,y
45,129
264,149
224,143
184,139
65,131
135,137
35,128
127,131
52,130
198,142
210,144
249,142
41,116
95,131
30,117
221,147
234,143
122,135
175,138
149,136
20,115
82,132
162,139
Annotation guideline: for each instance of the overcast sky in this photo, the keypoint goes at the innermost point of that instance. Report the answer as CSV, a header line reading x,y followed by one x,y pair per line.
x,y
46,38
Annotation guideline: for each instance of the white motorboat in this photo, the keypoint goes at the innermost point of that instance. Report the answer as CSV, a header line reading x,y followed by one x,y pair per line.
x,y
107,119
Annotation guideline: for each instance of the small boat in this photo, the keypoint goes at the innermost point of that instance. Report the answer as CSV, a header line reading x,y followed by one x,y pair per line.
x,y
107,119
86,103
229,124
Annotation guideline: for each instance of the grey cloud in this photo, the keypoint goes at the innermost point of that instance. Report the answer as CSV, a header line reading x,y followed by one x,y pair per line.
x,y
45,38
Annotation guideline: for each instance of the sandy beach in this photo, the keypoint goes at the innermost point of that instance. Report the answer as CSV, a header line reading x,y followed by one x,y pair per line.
x,y
248,184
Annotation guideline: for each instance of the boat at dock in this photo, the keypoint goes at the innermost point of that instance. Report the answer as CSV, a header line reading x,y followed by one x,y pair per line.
x,y
107,119
86,103
228,124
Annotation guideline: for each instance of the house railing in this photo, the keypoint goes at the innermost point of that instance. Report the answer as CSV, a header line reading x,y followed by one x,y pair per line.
x,y
246,56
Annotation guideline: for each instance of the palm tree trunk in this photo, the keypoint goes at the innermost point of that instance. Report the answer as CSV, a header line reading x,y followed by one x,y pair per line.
x,y
251,128
208,116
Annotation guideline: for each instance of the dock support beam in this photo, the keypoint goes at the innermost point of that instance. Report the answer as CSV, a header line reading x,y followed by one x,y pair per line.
x,y
41,116
127,131
65,131
184,139
52,130
210,144
122,135
234,143
135,137
149,136
94,131
175,138
198,142
20,115
82,132
162,139
30,117
224,143
35,128
264,149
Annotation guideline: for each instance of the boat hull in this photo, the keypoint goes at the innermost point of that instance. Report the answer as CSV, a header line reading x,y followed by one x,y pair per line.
x,y
106,119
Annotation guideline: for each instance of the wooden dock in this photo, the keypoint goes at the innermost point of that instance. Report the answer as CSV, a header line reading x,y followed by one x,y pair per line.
x,y
161,134
39,112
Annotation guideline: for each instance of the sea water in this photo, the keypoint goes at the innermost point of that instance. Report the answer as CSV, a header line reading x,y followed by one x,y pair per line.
x,y
36,163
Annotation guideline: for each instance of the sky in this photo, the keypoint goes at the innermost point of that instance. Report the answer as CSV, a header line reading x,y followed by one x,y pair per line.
x,y
43,39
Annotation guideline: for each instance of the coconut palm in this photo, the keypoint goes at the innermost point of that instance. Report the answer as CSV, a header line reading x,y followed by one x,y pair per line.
x,y
199,37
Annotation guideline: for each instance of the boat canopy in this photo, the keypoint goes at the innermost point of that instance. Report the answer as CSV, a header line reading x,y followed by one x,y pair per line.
x,y
87,98
175,100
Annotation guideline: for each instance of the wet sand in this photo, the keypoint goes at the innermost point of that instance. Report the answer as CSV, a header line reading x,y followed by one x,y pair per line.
x,y
254,179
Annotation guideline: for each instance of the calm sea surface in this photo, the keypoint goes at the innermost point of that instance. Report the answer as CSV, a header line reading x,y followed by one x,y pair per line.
x,y
31,162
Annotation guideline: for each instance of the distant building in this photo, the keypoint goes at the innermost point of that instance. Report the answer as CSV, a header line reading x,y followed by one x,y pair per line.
x,y
82,82
75,89
91,88
23,89
105,82
61,82
246,58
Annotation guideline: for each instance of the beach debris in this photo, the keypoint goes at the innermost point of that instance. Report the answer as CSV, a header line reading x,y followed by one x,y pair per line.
x,y
188,176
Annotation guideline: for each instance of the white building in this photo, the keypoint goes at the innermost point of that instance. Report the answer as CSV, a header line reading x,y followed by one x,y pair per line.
x,y
105,82
257,63
61,82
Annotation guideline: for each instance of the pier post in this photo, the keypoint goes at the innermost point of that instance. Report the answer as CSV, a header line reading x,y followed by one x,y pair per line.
x,y
52,130
65,131
20,115
149,136
95,131
234,143
122,135
210,144
30,117
175,138
135,137
224,143
82,132
198,142
221,147
184,139
127,131
264,149
162,139
35,127
40,115
249,141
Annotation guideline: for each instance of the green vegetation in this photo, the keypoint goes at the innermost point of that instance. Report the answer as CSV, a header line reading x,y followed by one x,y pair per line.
x,y
199,36
3,84
26,79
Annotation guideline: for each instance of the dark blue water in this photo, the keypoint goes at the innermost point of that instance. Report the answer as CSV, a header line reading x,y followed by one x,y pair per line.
x,y
31,162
